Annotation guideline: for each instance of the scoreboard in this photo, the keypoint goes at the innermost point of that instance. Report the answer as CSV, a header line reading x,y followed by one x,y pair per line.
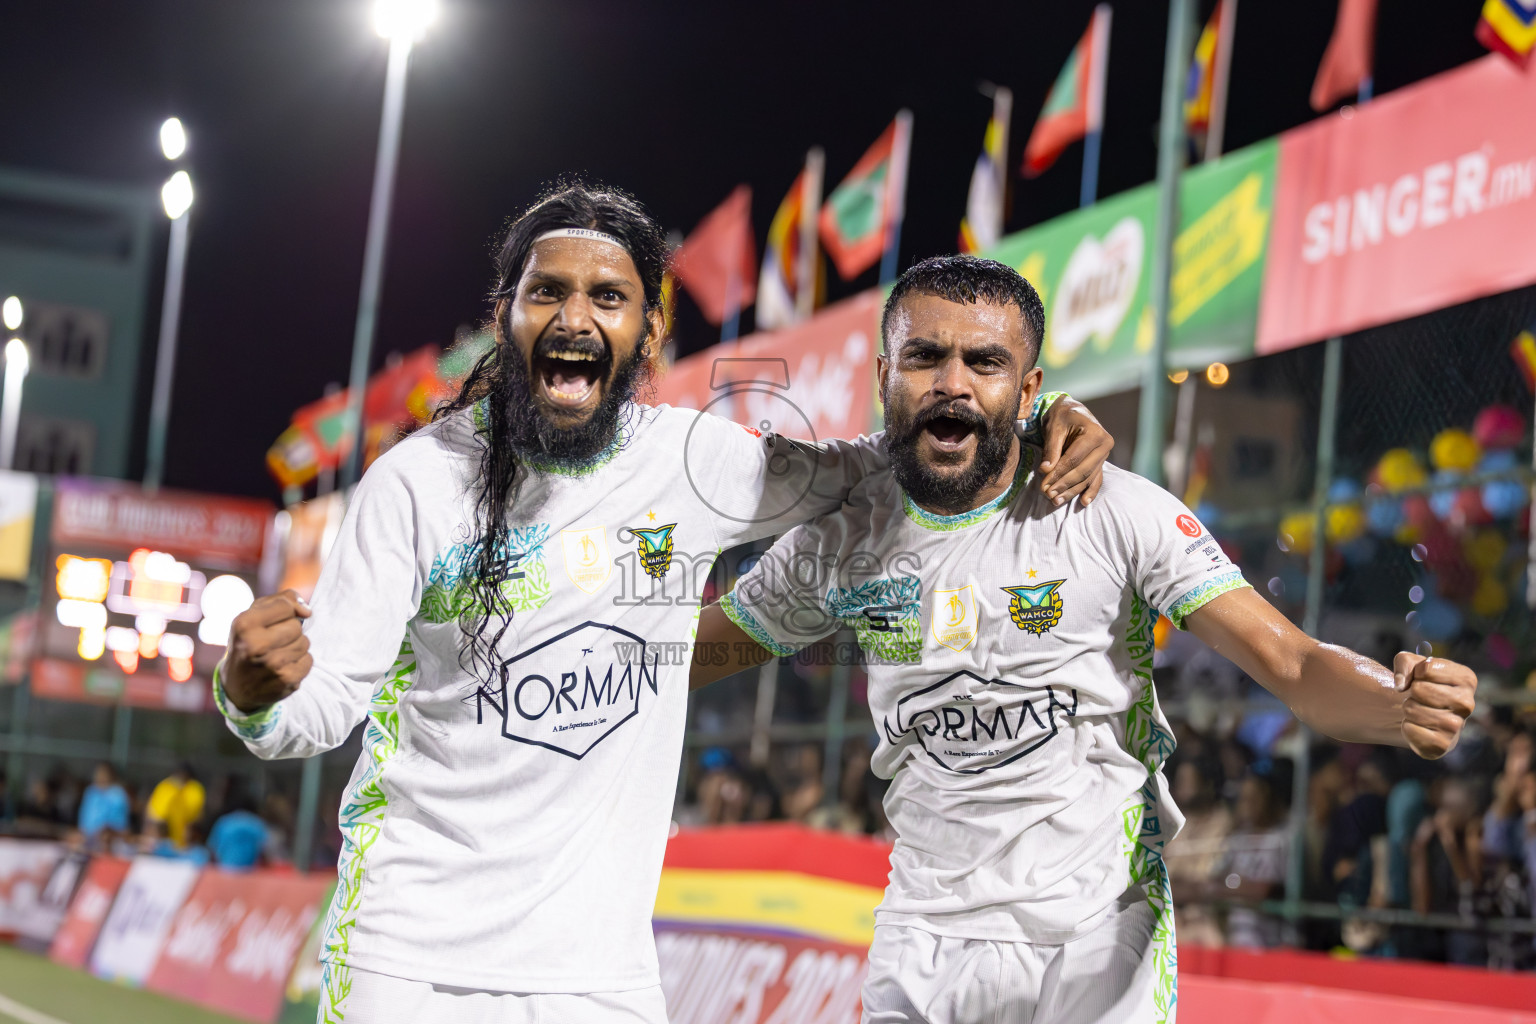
x,y
141,592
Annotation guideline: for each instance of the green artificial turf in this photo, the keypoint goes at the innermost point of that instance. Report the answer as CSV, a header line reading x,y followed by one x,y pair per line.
x,y
75,997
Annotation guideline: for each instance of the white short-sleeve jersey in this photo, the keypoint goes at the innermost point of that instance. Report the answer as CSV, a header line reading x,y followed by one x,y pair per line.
x,y
1009,652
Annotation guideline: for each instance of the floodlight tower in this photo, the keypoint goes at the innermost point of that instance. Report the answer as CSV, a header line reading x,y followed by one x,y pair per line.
x,y
176,197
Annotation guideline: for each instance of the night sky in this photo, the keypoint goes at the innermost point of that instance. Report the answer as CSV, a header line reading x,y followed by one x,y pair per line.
x,y
677,102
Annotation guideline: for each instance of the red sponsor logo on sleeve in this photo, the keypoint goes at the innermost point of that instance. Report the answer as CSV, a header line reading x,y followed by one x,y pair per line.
x,y
1189,525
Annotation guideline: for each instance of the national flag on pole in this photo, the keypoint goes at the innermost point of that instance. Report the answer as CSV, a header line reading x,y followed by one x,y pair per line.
x,y
1201,87
1075,105
717,262
982,224
1509,27
786,288
1523,351
1348,59
861,214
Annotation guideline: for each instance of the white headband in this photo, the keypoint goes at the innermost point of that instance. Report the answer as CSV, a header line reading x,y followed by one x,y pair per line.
x,y
591,233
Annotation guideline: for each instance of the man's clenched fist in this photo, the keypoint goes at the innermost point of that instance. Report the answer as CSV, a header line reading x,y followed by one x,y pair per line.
x,y
268,653
1439,695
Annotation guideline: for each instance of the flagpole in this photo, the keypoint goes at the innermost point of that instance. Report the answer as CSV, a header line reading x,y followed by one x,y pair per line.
x,y
1216,134
730,327
896,195
1002,114
810,214
1151,419
1099,59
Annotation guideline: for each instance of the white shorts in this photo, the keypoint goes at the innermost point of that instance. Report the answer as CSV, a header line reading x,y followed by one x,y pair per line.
x,y
368,998
1121,972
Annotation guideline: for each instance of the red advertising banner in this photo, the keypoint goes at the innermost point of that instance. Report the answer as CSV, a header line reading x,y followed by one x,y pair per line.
x,y
55,679
234,942
812,381
713,975
73,941
1419,200
204,527
26,865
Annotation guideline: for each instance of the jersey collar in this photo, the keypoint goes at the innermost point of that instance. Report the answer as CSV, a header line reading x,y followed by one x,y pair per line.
x,y
944,524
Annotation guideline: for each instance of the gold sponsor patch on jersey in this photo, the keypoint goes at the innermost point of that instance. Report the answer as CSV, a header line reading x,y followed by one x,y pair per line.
x,y
954,618
1035,609
586,557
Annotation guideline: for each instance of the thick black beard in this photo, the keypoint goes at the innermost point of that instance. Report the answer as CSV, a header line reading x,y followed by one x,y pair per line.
x,y
531,433
953,492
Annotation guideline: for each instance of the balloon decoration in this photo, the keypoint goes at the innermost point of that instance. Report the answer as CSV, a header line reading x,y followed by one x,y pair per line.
x,y
1499,426
1454,450
1399,470
1459,532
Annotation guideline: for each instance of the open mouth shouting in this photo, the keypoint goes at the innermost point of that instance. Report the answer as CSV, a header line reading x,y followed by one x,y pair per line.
x,y
569,373
950,432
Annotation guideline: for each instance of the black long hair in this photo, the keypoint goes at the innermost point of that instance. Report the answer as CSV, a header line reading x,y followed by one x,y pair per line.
x,y
485,612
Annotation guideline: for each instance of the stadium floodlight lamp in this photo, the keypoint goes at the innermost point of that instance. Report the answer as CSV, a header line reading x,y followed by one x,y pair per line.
x,y
16,358
177,195
173,138
404,20
11,313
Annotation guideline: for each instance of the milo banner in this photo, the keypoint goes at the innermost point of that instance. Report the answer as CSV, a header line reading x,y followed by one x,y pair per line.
x,y
1093,269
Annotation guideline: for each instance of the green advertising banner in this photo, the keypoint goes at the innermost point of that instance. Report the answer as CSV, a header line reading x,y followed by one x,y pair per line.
x,y
1093,269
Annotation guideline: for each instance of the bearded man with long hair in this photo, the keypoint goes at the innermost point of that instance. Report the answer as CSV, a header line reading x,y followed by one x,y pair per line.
x,y
508,608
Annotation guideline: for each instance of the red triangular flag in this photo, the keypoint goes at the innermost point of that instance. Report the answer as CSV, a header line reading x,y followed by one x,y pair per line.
x,y
1347,61
718,262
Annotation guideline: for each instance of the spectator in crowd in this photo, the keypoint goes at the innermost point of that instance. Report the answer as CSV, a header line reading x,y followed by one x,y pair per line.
x,y
103,808
801,791
1193,857
38,812
174,805
1348,859
1446,867
1509,851
851,813
239,836
193,846
1253,866
277,812
723,795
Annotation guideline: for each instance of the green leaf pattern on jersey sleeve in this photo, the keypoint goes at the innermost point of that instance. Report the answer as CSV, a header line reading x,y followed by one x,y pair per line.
x,y
1206,592
254,726
1142,840
886,616
362,820
1034,424
747,622
447,596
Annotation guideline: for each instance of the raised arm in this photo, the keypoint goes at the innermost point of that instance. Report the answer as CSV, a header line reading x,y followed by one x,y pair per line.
x,y
1419,703
295,683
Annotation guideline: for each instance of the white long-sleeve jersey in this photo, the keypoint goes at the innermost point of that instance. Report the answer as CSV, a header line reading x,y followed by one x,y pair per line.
x,y
507,834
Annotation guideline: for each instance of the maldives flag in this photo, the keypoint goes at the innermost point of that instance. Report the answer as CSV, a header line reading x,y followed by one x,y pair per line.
x,y
1075,105
717,262
859,214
